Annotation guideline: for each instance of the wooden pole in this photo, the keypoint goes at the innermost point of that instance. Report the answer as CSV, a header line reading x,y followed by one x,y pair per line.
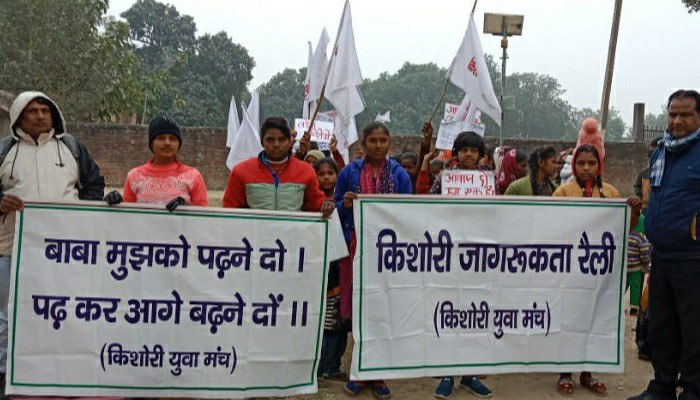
x,y
442,97
605,102
318,106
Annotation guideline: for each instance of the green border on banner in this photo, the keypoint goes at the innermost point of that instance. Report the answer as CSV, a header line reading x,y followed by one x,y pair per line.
x,y
489,202
188,214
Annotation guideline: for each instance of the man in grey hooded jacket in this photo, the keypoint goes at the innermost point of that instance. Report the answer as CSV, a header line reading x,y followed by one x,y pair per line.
x,y
39,161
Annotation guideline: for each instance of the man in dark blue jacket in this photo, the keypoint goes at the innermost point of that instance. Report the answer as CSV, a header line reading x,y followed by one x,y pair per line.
x,y
672,228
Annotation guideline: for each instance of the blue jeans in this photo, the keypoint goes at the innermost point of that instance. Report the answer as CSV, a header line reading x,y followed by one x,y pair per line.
x,y
4,296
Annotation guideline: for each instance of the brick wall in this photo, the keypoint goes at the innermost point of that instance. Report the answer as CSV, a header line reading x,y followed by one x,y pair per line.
x,y
118,148
623,160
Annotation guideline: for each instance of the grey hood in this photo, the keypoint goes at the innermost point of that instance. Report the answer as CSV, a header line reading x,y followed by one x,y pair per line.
x,y
24,99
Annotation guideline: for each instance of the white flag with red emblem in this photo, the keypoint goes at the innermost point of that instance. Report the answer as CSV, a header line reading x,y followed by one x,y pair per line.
x,y
318,63
233,123
344,76
470,72
247,142
346,134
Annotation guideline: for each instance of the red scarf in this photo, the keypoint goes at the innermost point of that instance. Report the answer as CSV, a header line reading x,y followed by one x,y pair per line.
x,y
371,184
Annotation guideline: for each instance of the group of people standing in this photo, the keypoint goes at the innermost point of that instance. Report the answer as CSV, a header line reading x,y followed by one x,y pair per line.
x,y
41,161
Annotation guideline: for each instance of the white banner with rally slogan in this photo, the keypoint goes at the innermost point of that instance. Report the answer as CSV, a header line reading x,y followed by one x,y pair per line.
x,y
137,302
487,286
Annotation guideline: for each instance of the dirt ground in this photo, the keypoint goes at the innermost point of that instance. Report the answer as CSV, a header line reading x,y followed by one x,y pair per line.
x,y
511,386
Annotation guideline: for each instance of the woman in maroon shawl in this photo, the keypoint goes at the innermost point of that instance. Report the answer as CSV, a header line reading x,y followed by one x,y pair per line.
x,y
514,167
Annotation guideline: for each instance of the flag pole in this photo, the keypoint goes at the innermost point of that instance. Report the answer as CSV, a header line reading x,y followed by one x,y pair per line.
x,y
447,82
442,97
364,103
328,68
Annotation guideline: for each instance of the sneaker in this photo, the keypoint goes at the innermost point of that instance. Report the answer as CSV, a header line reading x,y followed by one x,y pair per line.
x,y
380,390
474,385
353,388
444,389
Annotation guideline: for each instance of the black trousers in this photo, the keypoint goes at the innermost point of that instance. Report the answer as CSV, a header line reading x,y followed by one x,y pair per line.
x,y
674,327
332,350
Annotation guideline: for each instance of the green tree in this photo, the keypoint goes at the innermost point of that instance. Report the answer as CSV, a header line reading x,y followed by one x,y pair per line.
x,y
283,95
540,111
228,67
410,94
159,33
203,72
616,130
657,120
66,49
693,5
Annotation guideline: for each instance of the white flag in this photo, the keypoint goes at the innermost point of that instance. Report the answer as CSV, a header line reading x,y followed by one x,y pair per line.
x,y
307,84
384,118
346,134
344,76
254,109
466,112
247,143
470,72
315,72
233,123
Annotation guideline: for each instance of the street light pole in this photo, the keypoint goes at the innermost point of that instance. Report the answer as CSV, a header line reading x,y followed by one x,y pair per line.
x,y
503,25
504,45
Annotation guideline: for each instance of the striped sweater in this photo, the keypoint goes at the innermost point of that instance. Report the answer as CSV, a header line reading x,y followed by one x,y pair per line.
x,y
638,253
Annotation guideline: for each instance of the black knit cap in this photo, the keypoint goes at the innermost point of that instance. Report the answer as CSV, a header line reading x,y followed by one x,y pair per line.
x,y
161,125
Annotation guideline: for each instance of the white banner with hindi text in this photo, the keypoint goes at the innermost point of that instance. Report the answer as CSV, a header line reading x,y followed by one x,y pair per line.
x,y
487,286
136,302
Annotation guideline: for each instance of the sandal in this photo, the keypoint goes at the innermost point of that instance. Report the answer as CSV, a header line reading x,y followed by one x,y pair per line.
x,y
566,386
353,388
594,385
381,390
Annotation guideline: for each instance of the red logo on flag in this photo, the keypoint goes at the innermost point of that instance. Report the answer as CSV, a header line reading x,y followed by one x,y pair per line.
x,y
335,51
472,67
307,89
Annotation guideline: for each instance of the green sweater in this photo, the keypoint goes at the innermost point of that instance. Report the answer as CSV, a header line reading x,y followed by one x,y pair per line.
x,y
523,187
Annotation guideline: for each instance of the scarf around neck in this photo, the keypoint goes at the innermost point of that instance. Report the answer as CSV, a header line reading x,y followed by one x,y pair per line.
x,y
671,144
371,184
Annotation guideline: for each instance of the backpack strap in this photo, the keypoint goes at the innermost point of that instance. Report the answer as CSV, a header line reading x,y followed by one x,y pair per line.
x,y
71,142
6,144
